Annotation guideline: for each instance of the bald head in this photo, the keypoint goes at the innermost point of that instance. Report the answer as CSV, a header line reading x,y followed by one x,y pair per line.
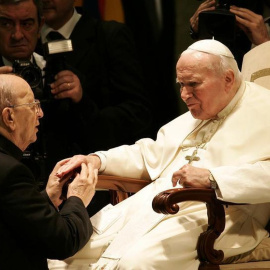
x,y
20,113
7,86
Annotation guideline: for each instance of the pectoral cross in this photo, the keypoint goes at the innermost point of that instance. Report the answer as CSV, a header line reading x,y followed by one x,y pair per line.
x,y
193,157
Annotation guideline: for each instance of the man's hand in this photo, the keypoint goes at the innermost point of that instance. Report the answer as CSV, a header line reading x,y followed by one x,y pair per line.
x,y
252,24
193,177
67,85
205,6
84,183
55,184
70,164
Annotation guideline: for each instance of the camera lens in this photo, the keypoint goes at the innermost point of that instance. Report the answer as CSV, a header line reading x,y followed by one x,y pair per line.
x,y
32,76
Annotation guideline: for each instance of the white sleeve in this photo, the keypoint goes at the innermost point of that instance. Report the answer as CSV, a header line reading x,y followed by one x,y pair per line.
x,y
249,183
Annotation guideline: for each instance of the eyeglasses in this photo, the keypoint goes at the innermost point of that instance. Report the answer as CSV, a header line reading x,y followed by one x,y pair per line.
x,y
36,103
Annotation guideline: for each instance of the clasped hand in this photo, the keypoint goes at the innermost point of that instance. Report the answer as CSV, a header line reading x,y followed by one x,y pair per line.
x,y
83,185
191,177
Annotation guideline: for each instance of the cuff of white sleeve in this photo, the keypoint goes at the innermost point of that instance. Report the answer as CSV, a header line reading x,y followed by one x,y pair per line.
x,y
103,160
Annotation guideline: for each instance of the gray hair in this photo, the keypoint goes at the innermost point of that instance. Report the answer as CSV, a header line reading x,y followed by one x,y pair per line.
x,y
229,63
37,3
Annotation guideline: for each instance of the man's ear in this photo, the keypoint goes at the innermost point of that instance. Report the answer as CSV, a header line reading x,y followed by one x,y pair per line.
x,y
8,118
229,79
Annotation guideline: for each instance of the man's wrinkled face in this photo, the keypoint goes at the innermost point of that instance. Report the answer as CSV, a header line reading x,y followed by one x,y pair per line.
x,y
27,114
57,12
19,30
203,89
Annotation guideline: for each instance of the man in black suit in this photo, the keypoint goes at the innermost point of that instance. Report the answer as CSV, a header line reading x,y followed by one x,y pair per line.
x,y
107,103
35,226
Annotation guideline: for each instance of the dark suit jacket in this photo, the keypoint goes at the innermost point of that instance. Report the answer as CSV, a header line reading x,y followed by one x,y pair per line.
x,y
31,229
115,107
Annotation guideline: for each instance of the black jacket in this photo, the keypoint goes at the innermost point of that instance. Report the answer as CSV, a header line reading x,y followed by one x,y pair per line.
x,y
31,229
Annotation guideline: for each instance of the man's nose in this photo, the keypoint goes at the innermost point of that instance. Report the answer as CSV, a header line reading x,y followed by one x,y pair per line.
x,y
40,113
185,93
17,33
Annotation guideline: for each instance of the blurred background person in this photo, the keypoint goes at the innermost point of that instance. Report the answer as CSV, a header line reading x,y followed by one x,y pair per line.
x,y
237,32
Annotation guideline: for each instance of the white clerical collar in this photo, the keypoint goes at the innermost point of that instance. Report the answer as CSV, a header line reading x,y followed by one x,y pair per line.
x,y
65,30
227,110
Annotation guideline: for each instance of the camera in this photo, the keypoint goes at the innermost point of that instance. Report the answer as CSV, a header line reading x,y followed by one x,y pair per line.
x,y
29,72
219,23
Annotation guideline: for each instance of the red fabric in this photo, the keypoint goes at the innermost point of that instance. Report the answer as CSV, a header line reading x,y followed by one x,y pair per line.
x,y
101,6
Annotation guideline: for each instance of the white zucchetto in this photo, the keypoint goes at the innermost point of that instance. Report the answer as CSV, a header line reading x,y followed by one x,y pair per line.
x,y
211,46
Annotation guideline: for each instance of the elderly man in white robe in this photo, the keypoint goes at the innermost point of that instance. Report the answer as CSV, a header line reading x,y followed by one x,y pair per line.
x,y
221,143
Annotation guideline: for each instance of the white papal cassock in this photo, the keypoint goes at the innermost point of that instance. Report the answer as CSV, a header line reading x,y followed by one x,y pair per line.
x,y
235,147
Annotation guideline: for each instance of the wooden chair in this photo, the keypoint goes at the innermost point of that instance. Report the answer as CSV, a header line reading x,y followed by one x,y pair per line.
x,y
120,187
166,203
256,67
211,259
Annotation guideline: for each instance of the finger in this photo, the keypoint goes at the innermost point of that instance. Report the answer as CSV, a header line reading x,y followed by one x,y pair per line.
x,y
244,13
207,4
207,9
65,86
5,69
69,165
93,174
58,166
64,73
96,176
84,173
63,94
176,179
64,78
246,23
75,94
57,88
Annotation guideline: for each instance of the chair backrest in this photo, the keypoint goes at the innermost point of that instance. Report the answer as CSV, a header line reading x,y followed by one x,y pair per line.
x,y
256,65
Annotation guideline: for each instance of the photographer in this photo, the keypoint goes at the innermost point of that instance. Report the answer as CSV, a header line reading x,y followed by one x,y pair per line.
x,y
250,26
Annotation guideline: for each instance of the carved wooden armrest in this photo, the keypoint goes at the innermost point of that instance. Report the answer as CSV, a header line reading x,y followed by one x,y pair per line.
x,y
120,187
166,203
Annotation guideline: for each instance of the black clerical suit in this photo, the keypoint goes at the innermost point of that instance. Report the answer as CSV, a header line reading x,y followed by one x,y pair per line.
x,y
31,229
